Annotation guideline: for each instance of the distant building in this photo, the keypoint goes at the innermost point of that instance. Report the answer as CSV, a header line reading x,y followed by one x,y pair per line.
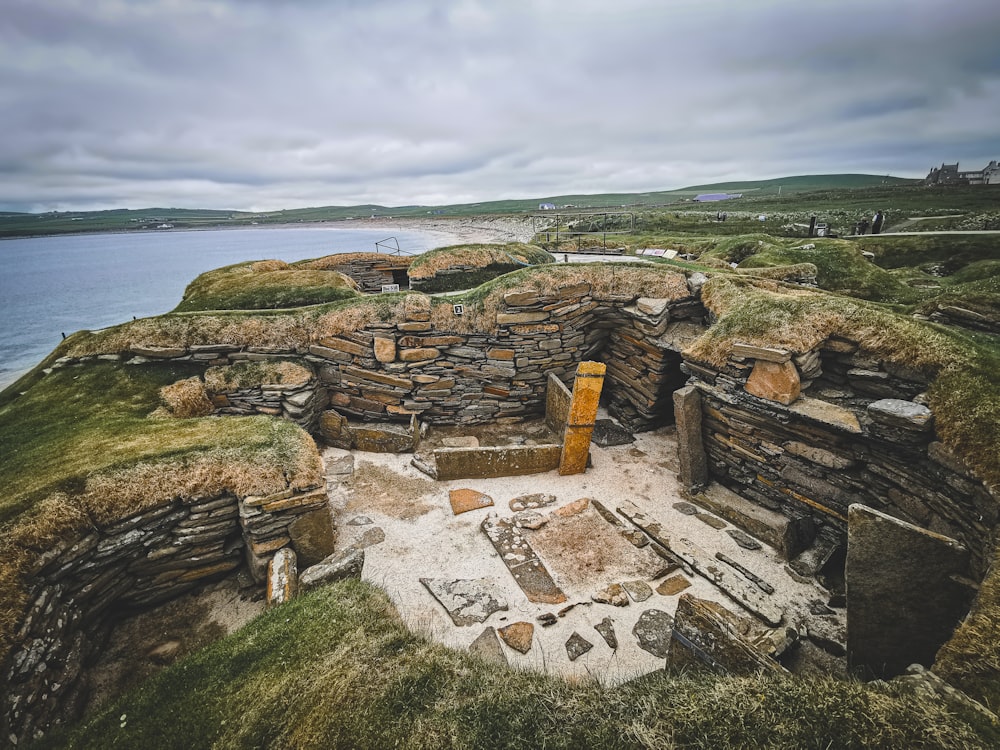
x,y
707,197
949,174
546,206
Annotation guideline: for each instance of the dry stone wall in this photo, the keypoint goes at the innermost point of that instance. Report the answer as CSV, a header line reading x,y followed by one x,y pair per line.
x,y
855,434
78,587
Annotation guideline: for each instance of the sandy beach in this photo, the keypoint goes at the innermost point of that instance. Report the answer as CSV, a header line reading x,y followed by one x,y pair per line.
x,y
452,231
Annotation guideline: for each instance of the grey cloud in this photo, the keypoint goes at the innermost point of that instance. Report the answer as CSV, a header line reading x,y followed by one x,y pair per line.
x,y
259,104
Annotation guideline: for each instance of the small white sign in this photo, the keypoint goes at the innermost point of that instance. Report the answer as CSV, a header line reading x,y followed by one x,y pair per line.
x,y
458,309
390,288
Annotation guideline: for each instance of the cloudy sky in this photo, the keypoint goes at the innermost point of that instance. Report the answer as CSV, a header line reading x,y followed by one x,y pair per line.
x,y
268,104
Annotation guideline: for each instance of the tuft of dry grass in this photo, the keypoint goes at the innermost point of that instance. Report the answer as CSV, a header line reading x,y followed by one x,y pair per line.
x,y
186,398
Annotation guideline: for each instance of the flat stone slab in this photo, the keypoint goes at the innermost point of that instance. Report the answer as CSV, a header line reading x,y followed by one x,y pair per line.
x,y
531,502
348,564
465,441
686,508
614,595
743,539
606,628
518,636
907,415
574,508
500,461
639,591
726,580
607,434
652,631
464,500
467,601
707,635
673,585
577,646
522,562
714,521
530,519
487,646
787,535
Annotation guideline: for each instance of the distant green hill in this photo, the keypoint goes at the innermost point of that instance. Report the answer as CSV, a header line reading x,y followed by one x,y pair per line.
x,y
117,220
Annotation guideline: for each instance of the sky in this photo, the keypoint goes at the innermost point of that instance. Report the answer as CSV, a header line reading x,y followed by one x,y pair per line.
x,y
269,104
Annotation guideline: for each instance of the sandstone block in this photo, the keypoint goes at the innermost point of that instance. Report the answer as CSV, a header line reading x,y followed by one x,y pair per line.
x,y
464,500
419,355
518,635
385,349
768,354
774,381
522,317
691,458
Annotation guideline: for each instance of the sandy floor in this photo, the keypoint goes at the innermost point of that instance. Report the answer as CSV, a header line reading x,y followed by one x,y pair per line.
x,y
583,553
422,538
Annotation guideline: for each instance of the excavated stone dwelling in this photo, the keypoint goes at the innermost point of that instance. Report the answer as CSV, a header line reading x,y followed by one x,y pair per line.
x,y
798,438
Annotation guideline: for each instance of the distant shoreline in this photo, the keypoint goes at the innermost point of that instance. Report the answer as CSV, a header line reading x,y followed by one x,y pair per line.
x,y
451,231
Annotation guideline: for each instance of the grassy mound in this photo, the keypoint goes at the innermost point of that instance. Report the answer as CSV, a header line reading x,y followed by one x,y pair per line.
x,y
264,285
466,266
80,448
337,668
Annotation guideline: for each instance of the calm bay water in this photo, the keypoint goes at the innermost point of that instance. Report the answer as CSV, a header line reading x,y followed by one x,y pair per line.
x,y
55,285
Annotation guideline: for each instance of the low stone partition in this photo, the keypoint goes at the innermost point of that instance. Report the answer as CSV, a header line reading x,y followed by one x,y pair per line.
x,y
301,403
393,370
80,586
499,461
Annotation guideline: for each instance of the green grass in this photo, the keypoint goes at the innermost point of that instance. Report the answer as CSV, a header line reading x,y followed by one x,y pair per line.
x,y
337,668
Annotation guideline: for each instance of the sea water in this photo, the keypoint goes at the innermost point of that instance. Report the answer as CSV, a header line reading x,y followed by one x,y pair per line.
x,y
50,286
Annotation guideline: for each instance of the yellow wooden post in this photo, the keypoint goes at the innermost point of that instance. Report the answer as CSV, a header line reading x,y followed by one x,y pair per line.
x,y
582,415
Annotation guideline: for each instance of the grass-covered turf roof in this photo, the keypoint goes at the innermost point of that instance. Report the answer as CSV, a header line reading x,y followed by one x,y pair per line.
x,y
337,668
481,255
265,285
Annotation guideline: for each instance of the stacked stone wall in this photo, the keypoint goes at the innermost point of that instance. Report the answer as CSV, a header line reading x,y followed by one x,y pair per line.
x,y
80,586
854,436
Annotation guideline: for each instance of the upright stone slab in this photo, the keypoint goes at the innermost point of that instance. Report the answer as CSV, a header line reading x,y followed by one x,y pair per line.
x,y
282,577
557,400
902,600
690,449
582,415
